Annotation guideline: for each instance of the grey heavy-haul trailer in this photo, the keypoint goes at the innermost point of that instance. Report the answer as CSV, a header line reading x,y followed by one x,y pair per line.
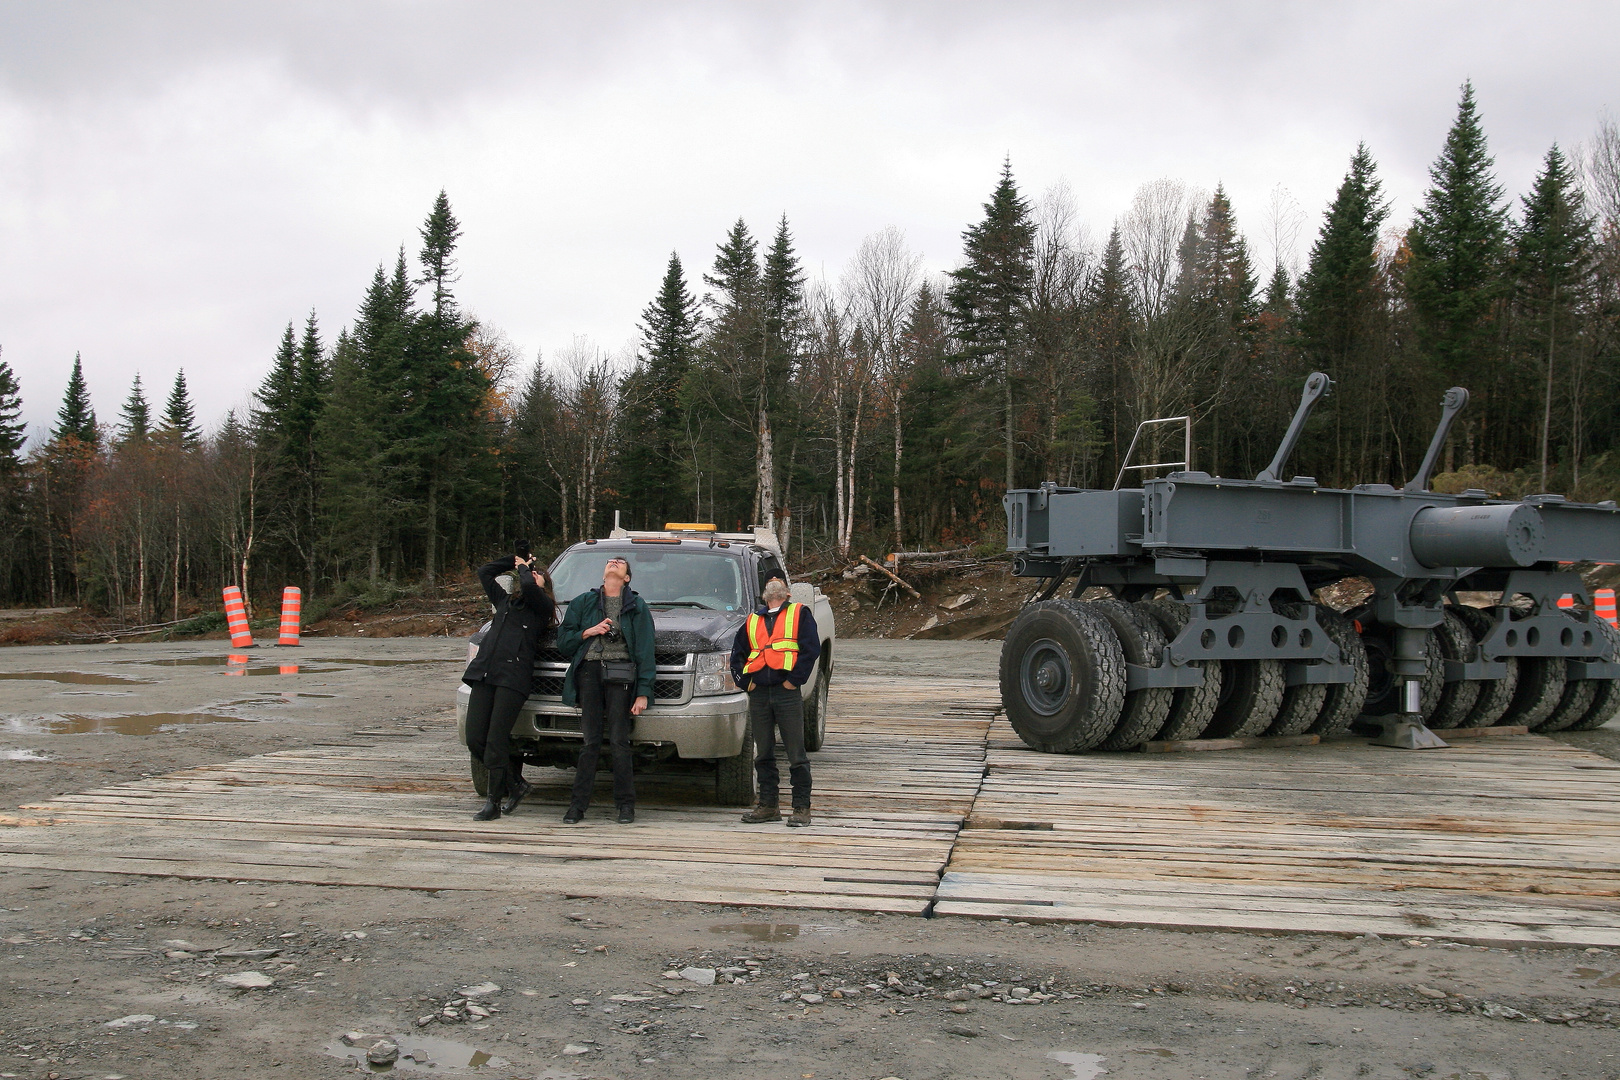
x,y
1209,629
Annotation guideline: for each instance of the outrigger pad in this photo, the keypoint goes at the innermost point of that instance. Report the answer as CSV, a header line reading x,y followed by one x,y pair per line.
x,y
1406,731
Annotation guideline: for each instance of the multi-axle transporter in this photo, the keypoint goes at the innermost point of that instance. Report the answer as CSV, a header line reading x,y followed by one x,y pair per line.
x,y
1208,628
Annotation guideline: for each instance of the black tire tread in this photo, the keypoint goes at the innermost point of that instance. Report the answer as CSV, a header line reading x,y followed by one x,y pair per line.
x,y
1191,707
1300,704
1093,719
1343,701
1144,711
1251,704
1495,695
1456,698
1606,692
734,776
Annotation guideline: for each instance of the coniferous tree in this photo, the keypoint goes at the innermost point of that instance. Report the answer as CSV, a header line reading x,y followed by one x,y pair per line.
x,y
12,431
1340,286
731,386
1111,318
275,394
1455,274
179,418
989,295
653,475
77,418
135,419
1553,255
782,301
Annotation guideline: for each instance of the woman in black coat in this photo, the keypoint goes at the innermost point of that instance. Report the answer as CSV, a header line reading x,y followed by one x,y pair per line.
x,y
502,672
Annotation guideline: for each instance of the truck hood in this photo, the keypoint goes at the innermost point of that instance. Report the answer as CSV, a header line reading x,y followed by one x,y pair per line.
x,y
691,630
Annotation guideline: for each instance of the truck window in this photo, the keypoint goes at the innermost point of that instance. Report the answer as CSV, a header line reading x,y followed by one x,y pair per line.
x,y
660,575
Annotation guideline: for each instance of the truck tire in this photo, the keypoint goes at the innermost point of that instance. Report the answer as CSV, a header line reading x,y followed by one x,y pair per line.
x,y
815,714
480,777
1573,704
1343,701
1143,643
1606,692
1251,694
1301,704
1062,676
1191,707
1383,689
1456,698
734,776
1495,695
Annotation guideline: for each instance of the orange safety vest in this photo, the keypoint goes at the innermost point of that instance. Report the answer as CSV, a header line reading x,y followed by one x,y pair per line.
x,y
777,648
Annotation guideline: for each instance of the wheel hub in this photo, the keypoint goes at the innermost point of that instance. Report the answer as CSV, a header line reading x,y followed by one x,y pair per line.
x,y
1046,676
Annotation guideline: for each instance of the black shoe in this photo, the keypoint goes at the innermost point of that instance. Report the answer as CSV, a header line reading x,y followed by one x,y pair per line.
x,y
573,815
515,794
627,815
491,810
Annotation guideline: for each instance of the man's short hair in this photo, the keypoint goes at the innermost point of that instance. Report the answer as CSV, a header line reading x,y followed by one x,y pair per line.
x,y
775,589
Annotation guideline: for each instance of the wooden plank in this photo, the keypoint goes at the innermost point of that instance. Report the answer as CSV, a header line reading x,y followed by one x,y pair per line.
x,y
1257,742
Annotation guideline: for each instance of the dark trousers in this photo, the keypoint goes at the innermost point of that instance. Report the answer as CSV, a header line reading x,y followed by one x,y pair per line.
x,y
604,705
771,710
491,712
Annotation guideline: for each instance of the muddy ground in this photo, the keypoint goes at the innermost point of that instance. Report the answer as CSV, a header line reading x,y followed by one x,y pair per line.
x,y
122,976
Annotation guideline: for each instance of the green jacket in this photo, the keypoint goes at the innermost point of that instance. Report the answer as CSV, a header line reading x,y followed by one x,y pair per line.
x,y
635,620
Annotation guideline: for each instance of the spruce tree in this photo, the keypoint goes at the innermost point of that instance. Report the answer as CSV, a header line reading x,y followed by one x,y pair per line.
x,y
179,419
652,476
275,394
1457,241
1553,262
77,419
1111,317
135,419
989,294
12,431
1340,285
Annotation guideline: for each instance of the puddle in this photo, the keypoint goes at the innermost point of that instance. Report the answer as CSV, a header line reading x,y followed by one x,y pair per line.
x,y
130,724
80,678
419,1053
1081,1066
195,661
759,931
386,663
24,755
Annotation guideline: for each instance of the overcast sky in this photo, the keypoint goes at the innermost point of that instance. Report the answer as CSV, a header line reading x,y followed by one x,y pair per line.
x,y
177,181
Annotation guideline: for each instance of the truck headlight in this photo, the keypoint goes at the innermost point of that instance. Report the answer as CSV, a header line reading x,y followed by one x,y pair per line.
x,y
714,674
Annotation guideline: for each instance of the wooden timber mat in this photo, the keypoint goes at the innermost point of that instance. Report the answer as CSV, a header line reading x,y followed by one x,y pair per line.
x,y
1509,840
392,805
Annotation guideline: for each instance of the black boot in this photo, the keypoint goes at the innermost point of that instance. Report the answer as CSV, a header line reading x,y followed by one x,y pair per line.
x,y
516,791
492,803
491,810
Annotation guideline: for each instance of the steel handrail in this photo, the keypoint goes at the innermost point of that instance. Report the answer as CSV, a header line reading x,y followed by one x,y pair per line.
x,y
1186,450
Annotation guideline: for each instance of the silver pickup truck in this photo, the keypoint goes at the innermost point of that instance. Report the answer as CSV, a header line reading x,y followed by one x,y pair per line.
x,y
700,584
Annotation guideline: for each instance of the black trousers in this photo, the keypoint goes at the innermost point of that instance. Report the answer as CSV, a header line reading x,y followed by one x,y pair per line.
x,y
605,705
773,710
491,712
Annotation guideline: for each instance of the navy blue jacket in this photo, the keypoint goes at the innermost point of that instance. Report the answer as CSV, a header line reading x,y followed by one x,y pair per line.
x,y
809,650
506,655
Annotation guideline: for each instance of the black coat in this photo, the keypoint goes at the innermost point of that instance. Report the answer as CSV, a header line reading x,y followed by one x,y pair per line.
x,y
506,655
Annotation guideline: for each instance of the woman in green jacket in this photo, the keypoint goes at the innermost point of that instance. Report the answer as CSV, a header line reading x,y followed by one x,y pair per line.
x,y
608,633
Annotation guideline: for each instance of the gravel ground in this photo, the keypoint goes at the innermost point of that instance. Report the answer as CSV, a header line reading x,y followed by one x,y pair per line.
x,y
126,976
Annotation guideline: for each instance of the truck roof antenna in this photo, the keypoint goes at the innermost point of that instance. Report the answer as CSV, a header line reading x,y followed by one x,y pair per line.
x,y
1455,401
1317,387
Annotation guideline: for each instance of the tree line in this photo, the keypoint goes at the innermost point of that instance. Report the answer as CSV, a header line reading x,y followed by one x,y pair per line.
x,y
885,409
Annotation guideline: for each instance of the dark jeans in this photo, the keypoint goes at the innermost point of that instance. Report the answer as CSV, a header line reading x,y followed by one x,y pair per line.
x,y
609,702
771,710
491,712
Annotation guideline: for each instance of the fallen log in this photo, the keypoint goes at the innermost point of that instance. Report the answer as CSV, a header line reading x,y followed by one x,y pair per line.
x,y
891,574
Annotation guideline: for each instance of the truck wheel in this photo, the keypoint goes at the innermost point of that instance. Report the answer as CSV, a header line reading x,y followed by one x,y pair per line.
x,y
1495,695
1301,704
1343,701
1383,689
1606,692
1062,676
734,776
815,715
480,777
1573,704
1251,694
1457,699
1191,707
1143,643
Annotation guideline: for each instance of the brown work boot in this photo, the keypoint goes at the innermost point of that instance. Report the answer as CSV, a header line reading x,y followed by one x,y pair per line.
x,y
800,817
761,813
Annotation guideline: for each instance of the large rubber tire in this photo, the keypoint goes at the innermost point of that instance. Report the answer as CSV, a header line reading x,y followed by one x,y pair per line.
x,y
1383,689
1573,704
1300,704
1062,676
1541,685
734,776
1143,643
1495,695
480,777
1251,694
1191,707
815,714
1606,692
1343,701
1456,698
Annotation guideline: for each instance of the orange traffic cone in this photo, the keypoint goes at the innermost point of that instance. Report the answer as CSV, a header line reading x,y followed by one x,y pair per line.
x,y
1603,604
291,608
236,619
1566,601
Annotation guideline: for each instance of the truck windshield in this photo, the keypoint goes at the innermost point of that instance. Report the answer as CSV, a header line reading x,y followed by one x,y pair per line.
x,y
661,575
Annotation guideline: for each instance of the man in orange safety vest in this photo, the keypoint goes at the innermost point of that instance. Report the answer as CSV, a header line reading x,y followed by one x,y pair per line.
x,y
772,657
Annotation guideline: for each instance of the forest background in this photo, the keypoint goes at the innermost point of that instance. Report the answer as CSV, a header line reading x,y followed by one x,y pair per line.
x,y
880,411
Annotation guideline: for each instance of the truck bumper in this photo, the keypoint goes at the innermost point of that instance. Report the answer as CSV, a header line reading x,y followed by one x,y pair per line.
x,y
704,727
